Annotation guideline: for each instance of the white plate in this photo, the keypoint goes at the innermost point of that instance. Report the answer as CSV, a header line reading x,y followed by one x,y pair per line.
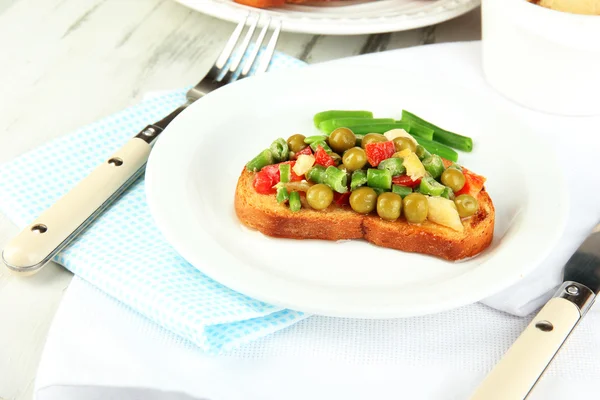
x,y
194,167
342,19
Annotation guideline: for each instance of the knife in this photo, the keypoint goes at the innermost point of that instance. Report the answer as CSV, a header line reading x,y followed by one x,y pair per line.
x,y
56,227
517,373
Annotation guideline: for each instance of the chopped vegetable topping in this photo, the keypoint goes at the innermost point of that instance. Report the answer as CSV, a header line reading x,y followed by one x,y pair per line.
x,y
473,183
282,195
379,178
403,191
396,133
336,179
316,174
431,187
413,166
405,180
379,151
285,173
359,178
400,169
322,158
303,164
263,159
443,211
341,199
280,150
394,165
263,183
295,204
433,165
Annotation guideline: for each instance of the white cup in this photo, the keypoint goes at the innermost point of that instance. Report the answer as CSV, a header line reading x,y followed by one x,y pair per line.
x,y
543,59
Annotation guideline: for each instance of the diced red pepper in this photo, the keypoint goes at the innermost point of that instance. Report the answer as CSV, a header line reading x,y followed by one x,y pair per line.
x,y
263,182
322,158
269,176
447,163
341,199
379,151
405,180
306,151
294,177
273,172
473,183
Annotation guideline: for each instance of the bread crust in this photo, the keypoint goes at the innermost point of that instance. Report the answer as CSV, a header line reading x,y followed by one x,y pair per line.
x,y
263,213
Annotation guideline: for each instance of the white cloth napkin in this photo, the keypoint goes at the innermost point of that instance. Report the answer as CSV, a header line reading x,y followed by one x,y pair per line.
x,y
97,346
97,349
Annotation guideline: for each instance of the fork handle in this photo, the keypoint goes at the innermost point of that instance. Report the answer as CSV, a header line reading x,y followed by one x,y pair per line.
x,y
42,239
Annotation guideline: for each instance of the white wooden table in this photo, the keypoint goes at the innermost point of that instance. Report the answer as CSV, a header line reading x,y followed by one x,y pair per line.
x,y
65,63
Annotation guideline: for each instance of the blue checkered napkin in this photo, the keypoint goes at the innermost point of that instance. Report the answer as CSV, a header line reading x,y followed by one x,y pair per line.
x,y
123,252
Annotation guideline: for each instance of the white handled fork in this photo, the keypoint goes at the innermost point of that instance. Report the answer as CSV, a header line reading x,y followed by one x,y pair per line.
x,y
57,226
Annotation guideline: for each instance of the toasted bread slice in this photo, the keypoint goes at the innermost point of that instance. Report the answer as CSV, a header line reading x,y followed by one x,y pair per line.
x,y
263,213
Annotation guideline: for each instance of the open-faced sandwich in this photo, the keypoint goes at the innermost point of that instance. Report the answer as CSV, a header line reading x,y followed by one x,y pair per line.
x,y
396,184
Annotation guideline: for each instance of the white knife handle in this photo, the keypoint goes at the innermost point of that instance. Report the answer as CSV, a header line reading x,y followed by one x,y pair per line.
x,y
524,363
35,245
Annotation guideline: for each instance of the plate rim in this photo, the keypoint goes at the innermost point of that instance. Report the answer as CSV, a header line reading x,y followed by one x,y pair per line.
x,y
474,296
232,12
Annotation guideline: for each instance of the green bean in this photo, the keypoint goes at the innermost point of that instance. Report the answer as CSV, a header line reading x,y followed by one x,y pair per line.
x,y
403,191
334,114
378,128
378,190
394,165
416,129
282,195
359,178
295,204
431,187
263,159
448,193
439,149
434,165
443,136
316,174
315,138
280,150
315,145
379,178
336,179
329,125
285,173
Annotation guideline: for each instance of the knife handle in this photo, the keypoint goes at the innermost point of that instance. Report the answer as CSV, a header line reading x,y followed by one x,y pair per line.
x,y
39,242
518,371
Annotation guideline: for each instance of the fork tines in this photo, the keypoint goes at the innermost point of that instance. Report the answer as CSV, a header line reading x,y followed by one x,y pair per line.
x,y
233,55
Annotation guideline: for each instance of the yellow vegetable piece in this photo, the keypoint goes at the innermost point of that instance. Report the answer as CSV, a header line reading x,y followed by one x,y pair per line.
x,y
443,212
303,164
414,168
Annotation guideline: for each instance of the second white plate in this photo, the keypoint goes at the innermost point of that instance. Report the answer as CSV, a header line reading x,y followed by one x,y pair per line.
x,y
193,170
359,18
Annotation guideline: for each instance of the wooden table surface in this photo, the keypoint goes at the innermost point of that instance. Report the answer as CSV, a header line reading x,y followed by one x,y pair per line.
x,y
66,63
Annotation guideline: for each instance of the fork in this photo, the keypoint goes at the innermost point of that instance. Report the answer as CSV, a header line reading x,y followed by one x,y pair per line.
x,y
57,226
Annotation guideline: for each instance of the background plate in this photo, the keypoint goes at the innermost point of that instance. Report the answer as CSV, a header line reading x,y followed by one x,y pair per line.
x,y
193,170
359,18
